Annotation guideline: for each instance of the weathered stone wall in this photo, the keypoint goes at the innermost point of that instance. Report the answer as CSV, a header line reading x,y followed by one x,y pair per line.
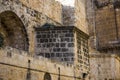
x,y
105,26
91,23
17,65
64,44
76,16
90,16
118,21
17,62
104,66
68,15
57,12
117,67
30,18
82,53
80,15
56,43
104,31
51,8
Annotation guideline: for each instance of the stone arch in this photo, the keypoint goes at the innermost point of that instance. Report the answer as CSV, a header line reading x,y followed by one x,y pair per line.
x,y
47,76
13,31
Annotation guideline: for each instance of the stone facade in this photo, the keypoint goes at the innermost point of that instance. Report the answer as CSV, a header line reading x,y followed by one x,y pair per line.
x,y
104,43
109,17
29,18
51,8
80,15
104,66
64,44
104,16
20,21
17,65
56,43
77,15
68,15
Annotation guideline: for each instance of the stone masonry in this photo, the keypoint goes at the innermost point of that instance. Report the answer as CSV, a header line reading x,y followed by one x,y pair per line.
x,y
64,44
68,15
104,21
104,66
28,43
51,8
17,65
80,15
56,43
77,15
28,16
103,18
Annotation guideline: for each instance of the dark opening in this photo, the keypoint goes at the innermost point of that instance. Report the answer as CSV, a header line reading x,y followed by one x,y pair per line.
x,y
1,40
13,31
47,76
84,75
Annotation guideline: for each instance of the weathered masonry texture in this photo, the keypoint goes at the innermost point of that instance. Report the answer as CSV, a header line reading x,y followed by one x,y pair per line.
x,y
110,18
77,15
29,18
103,21
51,8
17,65
34,45
63,44
80,15
68,15
56,43
106,24
40,40
104,67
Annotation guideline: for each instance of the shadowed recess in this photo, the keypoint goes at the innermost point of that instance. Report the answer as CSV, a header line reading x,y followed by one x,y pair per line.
x,y
47,76
13,31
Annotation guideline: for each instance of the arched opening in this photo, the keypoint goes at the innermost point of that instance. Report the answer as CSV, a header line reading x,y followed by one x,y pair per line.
x,y
47,76
13,31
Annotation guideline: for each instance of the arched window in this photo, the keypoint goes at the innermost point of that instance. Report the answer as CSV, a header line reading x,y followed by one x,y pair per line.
x,y
47,76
